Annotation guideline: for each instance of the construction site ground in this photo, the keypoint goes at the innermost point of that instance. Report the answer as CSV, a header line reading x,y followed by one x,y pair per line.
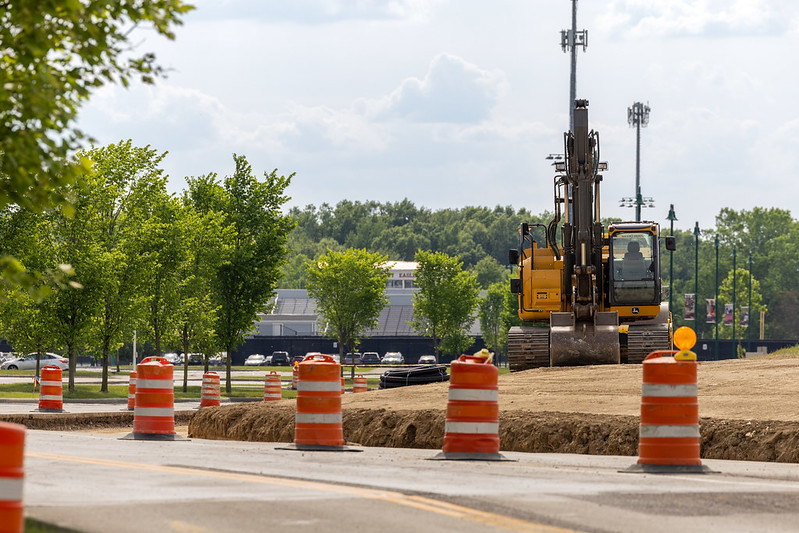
x,y
749,410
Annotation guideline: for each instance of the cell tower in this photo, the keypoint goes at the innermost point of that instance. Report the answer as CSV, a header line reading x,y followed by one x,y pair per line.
x,y
569,41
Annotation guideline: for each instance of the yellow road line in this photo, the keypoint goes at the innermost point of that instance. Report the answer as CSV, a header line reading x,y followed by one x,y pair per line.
x,y
416,502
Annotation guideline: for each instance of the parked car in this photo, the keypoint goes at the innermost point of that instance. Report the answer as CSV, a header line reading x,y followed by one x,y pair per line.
x,y
280,358
297,359
255,359
370,358
427,360
28,362
218,360
352,358
393,358
173,358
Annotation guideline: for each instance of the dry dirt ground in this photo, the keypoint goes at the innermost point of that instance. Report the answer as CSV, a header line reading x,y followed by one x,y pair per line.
x,y
749,410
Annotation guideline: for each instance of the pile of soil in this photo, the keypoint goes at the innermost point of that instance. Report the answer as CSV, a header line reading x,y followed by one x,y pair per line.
x,y
81,421
749,411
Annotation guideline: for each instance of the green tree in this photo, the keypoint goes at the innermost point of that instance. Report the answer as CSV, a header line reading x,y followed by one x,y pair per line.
x,y
349,288
206,238
490,309
55,54
488,272
124,182
444,306
243,284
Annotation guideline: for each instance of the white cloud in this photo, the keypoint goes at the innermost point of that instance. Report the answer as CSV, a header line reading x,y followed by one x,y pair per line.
x,y
453,90
645,18
316,11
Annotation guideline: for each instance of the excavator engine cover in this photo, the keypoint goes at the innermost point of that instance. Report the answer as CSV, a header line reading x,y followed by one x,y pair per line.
x,y
595,342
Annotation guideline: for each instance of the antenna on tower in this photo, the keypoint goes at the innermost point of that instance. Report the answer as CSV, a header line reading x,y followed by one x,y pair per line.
x,y
569,41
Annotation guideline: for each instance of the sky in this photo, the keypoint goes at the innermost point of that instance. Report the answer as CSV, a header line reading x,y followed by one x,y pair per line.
x,y
454,103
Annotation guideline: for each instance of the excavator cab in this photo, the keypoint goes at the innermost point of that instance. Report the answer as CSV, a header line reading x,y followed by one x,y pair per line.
x,y
633,265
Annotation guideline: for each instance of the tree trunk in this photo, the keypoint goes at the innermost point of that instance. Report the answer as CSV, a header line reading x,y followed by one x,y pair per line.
x,y
185,358
73,363
228,385
104,380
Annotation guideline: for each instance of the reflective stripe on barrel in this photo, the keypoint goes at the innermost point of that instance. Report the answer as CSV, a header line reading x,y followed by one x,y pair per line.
x,y
273,390
154,412
210,394
472,423
318,419
51,389
12,450
669,430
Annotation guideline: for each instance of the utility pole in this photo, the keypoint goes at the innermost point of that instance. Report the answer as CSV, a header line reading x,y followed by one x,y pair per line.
x,y
696,278
716,303
569,41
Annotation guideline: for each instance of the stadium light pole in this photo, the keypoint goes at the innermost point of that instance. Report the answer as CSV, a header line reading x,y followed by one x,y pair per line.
x,y
696,277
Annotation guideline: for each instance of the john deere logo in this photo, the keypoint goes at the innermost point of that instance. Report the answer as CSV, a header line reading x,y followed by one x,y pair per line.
x,y
635,310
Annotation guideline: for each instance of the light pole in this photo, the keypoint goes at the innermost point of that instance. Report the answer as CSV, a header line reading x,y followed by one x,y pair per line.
x,y
671,218
569,41
696,277
749,316
734,289
716,303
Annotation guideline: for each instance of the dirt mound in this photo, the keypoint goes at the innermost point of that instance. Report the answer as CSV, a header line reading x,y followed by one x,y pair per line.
x,y
748,407
81,421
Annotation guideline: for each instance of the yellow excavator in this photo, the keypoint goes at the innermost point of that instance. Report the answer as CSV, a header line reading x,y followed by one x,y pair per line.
x,y
595,298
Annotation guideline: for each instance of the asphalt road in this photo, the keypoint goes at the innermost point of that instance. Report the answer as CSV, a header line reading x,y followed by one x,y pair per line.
x,y
95,482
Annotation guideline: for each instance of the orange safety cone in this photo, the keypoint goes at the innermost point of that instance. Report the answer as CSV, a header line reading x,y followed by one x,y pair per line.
x,y
132,391
359,384
12,474
668,440
154,412
273,391
318,421
51,398
471,430
210,395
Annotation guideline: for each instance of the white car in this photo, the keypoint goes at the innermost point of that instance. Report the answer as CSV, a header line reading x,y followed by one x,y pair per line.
x,y
393,358
28,362
427,360
255,359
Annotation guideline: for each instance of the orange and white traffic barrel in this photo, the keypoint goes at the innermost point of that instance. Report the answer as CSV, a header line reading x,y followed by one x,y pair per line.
x,y
471,429
154,412
359,384
273,390
669,436
51,396
12,475
132,391
342,385
210,394
318,422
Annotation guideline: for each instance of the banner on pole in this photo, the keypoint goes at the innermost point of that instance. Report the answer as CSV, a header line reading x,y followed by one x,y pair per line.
x,y
690,306
728,314
745,316
711,311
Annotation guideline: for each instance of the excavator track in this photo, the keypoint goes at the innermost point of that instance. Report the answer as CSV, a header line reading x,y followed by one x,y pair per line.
x,y
643,340
528,347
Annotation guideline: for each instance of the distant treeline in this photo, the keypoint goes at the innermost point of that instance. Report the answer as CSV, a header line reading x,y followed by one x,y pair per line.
x,y
481,236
